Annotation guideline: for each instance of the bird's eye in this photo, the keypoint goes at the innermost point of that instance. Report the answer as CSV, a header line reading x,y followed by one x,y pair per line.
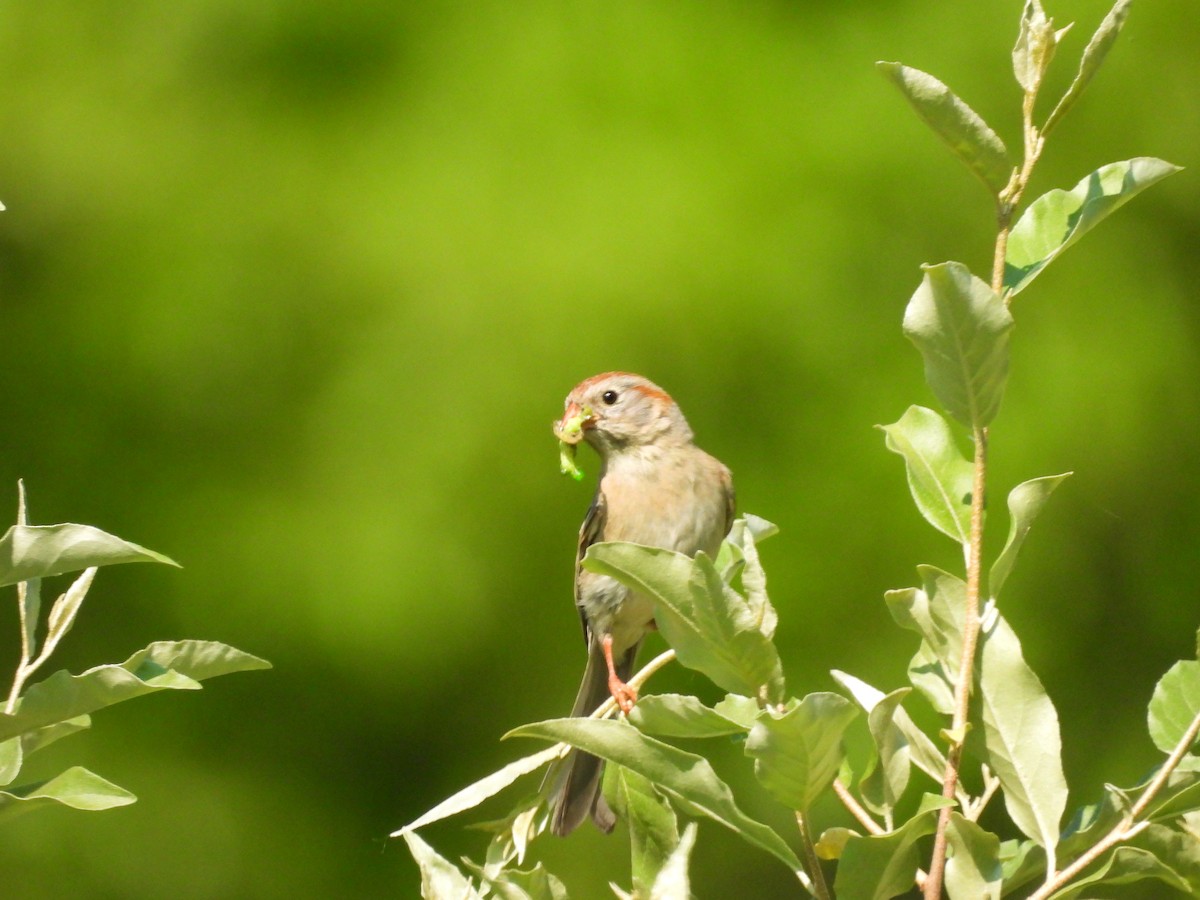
x,y
609,397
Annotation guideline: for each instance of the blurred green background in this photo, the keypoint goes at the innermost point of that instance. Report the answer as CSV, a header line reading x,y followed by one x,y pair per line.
x,y
291,292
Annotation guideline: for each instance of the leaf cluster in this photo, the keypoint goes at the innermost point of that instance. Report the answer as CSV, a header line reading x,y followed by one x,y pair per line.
x,y
38,714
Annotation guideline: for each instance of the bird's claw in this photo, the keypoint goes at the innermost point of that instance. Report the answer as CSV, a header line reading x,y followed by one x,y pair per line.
x,y
625,695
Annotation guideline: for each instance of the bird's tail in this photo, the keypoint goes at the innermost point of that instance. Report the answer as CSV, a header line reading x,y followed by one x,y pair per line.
x,y
576,791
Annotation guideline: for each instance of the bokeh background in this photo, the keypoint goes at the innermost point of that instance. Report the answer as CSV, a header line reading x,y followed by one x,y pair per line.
x,y
291,291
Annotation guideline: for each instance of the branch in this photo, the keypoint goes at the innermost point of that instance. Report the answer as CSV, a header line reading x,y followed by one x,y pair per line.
x,y
1128,827
966,667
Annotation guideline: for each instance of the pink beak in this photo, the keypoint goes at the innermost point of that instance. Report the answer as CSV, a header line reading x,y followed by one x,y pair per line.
x,y
569,429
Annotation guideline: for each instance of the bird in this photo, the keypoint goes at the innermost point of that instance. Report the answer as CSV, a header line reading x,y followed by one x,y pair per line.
x,y
656,488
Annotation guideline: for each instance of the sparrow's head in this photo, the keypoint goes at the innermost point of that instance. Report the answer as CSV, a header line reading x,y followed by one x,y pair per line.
x,y
619,410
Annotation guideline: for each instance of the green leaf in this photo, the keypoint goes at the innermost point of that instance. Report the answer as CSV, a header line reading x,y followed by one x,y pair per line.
x,y
1124,865
924,752
963,130
76,787
162,665
440,879
929,674
961,328
939,477
936,611
518,884
885,786
65,609
1175,704
754,583
1035,46
39,551
1057,219
11,759
736,708
879,867
29,598
1178,848
710,626
797,754
1179,797
681,715
973,863
1022,862
672,882
1025,502
1021,734
1089,64
653,828
475,793
749,527
686,778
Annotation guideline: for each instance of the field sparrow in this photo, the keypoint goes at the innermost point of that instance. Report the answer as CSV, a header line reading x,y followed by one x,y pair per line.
x,y
657,488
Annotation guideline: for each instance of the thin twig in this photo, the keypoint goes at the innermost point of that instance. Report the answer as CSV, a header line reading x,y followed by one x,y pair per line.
x,y
962,689
975,808
819,888
855,808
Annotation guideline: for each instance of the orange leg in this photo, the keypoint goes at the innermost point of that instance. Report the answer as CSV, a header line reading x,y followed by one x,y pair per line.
x,y
625,695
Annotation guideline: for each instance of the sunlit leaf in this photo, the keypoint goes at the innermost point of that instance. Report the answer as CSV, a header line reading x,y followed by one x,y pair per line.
x,y
1175,704
686,778
939,477
1180,796
1124,865
1035,46
961,328
1021,734
474,794
924,752
1178,847
973,863
709,625
76,787
673,882
1089,64
650,820
937,612
1025,502
163,665
736,708
754,583
963,130
1057,219
39,551
440,879
884,786
681,715
11,759
879,867
518,884
797,753
66,608
748,527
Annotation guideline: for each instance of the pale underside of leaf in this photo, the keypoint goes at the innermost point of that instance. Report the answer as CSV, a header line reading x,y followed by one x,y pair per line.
x,y
965,132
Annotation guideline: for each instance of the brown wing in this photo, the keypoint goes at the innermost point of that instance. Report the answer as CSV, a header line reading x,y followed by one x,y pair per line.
x,y
730,501
590,532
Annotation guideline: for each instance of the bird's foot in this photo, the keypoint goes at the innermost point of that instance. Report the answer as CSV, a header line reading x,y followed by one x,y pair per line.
x,y
625,695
